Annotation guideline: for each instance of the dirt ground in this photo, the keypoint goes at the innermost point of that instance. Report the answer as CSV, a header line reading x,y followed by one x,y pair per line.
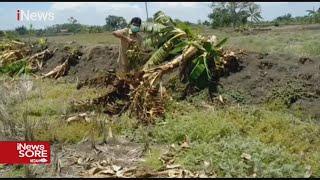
x,y
94,61
79,161
267,76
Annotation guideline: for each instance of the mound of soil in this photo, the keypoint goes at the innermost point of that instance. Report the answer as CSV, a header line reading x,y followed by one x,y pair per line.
x,y
267,77
94,61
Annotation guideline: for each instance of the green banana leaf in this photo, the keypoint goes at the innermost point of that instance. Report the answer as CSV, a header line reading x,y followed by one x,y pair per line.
x,y
200,74
157,57
205,62
198,69
179,48
197,45
221,43
15,68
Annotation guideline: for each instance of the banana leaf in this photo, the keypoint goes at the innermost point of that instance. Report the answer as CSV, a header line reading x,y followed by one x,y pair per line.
x,y
200,74
161,18
198,68
15,68
196,44
221,43
211,50
179,47
205,62
157,57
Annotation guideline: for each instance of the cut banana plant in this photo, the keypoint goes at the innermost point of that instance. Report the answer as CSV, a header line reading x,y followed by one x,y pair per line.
x,y
16,57
198,57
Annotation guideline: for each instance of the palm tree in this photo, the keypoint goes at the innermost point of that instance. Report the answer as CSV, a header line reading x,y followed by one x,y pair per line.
x,y
314,14
255,13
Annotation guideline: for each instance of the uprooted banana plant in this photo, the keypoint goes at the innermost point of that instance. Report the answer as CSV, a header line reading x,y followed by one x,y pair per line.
x,y
201,59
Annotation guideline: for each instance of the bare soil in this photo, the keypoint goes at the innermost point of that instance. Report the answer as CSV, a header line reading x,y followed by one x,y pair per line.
x,y
267,76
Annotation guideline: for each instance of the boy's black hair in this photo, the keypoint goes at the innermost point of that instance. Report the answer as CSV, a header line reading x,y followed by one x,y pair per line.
x,y
136,20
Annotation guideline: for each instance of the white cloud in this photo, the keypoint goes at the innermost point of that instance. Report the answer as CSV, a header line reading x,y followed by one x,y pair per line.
x,y
94,12
178,4
272,3
188,11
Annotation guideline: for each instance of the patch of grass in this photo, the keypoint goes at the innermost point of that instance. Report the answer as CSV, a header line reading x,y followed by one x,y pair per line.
x,y
49,98
300,43
86,38
67,133
45,106
224,158
280,144
17,171
152,159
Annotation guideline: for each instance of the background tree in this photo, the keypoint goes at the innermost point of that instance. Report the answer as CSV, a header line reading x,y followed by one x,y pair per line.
x,y
115,22
220,16
286,17
314,15
255,13
206,23
233,13
22,30
72,20
73,25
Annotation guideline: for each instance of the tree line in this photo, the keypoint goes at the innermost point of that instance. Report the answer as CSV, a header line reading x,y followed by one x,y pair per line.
x,y
235,14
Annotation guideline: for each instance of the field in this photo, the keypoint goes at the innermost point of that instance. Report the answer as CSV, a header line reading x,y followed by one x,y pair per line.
x,y
267,124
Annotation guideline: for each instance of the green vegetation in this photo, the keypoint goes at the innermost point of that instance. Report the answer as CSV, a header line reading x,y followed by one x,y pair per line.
x,y
47,106
114,23
280,144
297,42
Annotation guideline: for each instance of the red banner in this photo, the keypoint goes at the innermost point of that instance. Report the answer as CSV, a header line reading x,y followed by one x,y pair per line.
x,y
24,152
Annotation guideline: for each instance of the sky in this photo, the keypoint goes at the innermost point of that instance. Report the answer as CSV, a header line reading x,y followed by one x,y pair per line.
x,y
94,13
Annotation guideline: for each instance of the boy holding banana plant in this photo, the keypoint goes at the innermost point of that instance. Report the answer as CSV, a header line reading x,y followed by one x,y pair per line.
x,y
128,37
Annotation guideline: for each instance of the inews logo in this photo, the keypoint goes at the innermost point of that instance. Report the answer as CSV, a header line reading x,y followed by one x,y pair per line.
x,y
34,16
25,152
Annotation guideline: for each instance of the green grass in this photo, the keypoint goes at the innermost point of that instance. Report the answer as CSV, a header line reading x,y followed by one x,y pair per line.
x,y
48,105
287,40
280,144
152,159
87,39
297,43
81,38
16,171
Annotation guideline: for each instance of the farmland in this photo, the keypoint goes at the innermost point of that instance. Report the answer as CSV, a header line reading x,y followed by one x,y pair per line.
x,y
266,125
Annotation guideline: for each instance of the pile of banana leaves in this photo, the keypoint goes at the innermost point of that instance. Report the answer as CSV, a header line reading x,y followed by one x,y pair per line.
x,y
17,57
200,60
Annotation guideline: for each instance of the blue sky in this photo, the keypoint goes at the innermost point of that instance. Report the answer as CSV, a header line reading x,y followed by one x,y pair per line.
x,y
94,13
